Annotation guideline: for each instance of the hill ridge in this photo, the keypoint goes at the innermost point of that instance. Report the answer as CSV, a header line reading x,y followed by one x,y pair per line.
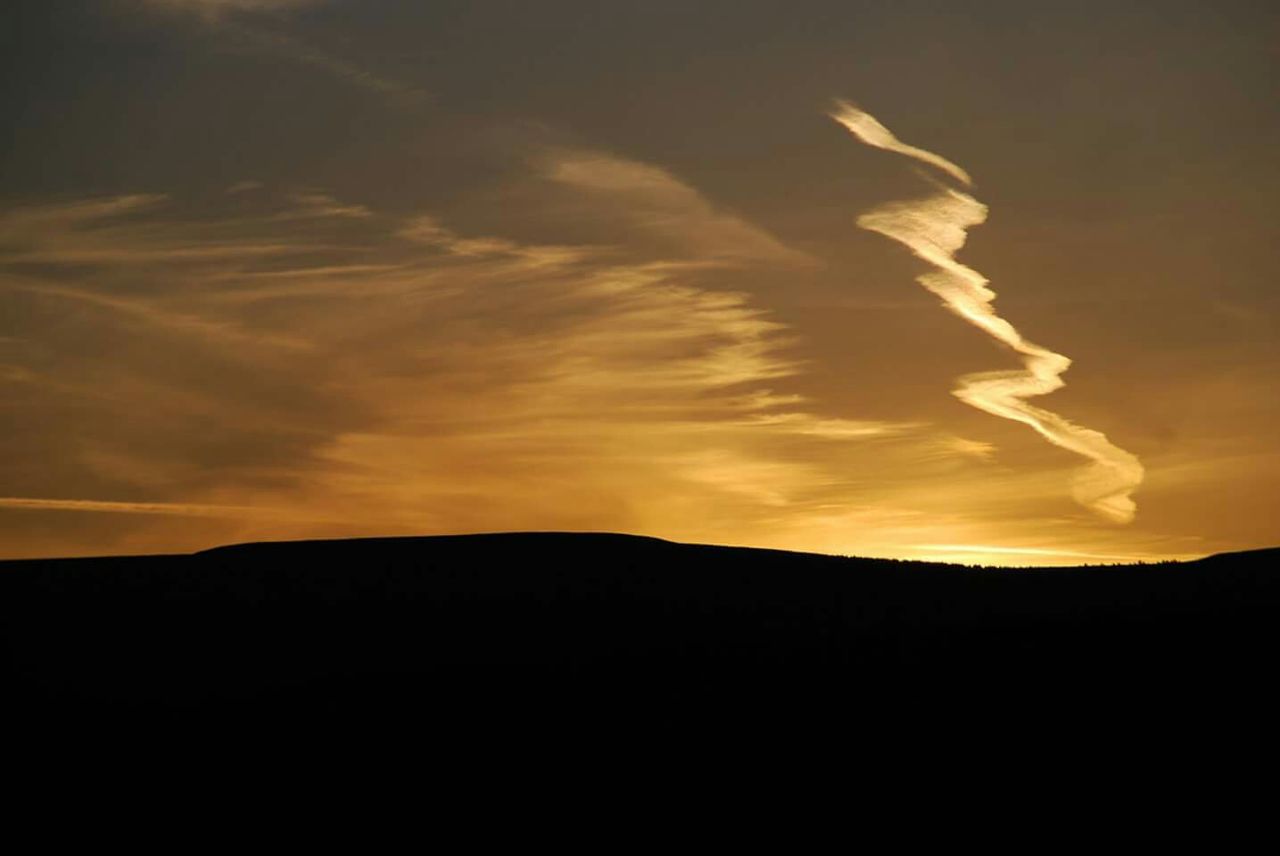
x,y
1272,553
467,627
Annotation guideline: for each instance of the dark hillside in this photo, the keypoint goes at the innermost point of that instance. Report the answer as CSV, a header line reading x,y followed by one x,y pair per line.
x,y
576,630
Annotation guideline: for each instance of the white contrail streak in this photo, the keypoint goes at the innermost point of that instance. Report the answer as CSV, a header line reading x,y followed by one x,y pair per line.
x,y
867,128
934,229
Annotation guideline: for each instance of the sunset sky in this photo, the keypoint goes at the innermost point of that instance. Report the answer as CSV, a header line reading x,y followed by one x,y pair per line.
x,y
281,269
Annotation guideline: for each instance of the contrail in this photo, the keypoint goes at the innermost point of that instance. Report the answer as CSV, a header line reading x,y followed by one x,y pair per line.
x,y
867,128
934,229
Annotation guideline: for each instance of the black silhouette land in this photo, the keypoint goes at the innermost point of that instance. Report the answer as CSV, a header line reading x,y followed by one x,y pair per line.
x,y
588,633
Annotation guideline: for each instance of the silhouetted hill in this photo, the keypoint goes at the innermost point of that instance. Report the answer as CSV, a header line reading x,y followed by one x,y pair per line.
x,y
577,632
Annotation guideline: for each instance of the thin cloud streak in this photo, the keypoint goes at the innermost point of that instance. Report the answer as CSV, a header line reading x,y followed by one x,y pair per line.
x,y
934,229
228,17
178,509
398,93
176,322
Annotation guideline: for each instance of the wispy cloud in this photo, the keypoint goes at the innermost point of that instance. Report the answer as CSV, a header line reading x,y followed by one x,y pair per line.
x,y
177,509
294,364
403,376
657,202
397,92
240,21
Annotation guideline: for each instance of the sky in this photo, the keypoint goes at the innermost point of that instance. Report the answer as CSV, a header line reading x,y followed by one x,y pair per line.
x,y
275,269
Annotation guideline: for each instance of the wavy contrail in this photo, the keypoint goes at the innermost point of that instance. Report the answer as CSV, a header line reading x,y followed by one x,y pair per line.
x,y
934,229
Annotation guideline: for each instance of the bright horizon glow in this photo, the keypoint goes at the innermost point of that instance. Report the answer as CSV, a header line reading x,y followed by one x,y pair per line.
x,y
991,555
985,555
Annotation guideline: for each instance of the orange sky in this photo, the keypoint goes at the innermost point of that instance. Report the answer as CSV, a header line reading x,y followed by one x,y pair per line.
x,y
314,269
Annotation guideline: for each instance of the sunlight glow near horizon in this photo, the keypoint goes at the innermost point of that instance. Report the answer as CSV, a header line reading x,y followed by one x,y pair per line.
x,y
987,554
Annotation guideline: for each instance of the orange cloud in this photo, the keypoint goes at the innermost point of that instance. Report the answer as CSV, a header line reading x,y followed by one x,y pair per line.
x,y
306,366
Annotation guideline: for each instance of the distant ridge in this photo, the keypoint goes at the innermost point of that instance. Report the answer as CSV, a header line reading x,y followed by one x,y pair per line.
x,y
620,538
462,629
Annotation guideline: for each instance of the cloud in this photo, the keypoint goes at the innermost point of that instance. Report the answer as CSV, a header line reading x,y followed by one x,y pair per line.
x,y
656,202
972,448
868,129
303,352
162,508
396,92
934,229
290,363
235,21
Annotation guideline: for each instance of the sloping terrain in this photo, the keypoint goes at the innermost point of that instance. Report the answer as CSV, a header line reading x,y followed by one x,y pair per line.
x,y
572,630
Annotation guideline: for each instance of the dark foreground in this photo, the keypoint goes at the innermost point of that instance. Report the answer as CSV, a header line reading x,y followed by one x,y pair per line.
x,y
564,635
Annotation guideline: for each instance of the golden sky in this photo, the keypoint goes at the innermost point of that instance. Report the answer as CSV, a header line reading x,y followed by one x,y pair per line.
x,y
289,268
